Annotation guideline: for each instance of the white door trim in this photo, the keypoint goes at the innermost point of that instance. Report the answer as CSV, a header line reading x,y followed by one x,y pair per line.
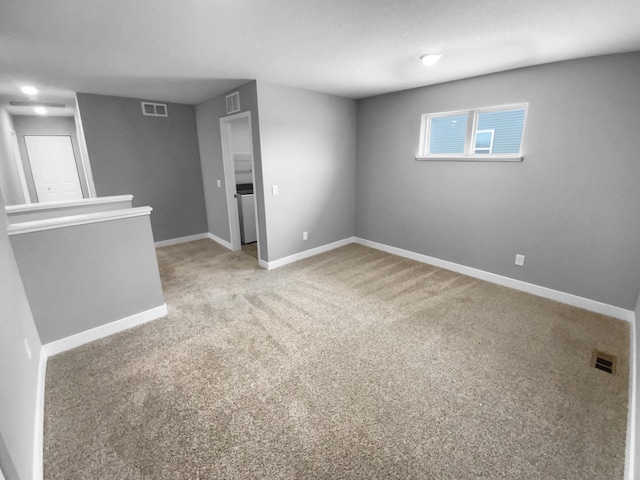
x,y
230,180
84,152
15,147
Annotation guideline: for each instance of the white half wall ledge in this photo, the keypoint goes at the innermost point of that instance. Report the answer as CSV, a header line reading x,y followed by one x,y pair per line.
x,y
176,241
32,207
558,296
76,220
221,241
78,339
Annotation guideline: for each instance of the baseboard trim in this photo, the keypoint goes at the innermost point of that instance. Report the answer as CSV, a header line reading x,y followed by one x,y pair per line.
x,y
176,241
306,254
219,240
73,341
558,296
629,458
38,438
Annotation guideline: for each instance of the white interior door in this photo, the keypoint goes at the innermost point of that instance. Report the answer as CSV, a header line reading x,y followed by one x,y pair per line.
x,y
54,168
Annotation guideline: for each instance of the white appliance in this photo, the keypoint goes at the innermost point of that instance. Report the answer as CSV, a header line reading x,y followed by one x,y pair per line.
x,y
247,215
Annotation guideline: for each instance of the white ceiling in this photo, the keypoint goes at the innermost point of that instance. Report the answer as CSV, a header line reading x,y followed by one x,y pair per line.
x,y
191,50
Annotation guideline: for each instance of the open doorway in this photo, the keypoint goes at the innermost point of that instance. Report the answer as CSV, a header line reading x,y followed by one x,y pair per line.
x,y
48,159
239,171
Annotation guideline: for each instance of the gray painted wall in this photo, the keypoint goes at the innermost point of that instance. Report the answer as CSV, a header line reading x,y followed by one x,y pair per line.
x,y
308,150
154,158
572,207
9,179
37,125
18,373
107,271
208,115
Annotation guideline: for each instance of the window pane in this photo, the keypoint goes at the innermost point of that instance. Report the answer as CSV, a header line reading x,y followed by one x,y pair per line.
x,y
447,134
484,141
507,126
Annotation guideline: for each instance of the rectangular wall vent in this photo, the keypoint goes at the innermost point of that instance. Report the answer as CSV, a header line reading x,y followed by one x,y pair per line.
x,y
233,102
604,361
154,109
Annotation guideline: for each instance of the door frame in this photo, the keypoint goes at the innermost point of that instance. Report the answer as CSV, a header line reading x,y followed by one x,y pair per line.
x,y
230,180
17,157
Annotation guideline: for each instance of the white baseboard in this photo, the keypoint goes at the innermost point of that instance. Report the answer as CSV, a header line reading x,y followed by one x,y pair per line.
x,y
306,254
175,241
629,463
38,438
73,341
219,240
558,296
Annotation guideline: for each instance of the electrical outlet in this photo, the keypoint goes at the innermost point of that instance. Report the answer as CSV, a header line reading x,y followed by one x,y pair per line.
x,y
520,260
305,236
274,189
219,184
26,347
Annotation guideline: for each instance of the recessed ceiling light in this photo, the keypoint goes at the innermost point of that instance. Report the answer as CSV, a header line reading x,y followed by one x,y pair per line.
x,y
430,58
40,110
27,90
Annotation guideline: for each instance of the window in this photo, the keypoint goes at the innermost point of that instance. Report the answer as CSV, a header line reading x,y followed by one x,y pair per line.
x,y
489,133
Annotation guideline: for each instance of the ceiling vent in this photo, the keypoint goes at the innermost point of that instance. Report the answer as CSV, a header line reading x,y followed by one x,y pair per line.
x,y
154,109
233,102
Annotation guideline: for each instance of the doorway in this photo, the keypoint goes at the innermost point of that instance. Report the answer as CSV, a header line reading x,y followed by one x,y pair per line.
x,y
54,168
240,181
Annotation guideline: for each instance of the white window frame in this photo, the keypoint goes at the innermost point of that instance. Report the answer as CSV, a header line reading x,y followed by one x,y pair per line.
x,y
469,154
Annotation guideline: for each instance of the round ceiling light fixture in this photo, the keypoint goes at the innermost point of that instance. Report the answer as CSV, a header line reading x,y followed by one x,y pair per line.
x,y
430,59
40,110
28,90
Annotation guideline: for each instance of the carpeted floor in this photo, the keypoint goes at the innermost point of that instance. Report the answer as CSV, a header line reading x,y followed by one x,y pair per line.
x,y
251,249
353,364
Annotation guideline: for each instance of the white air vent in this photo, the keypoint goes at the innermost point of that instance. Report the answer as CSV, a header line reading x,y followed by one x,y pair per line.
x,y
233,102
154,109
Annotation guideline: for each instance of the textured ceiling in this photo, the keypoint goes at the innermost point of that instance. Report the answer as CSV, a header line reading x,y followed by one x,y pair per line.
x,y
191,50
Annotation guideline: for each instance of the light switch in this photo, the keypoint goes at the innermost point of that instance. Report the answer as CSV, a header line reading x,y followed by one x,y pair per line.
x,y
219,184
520,260
274,189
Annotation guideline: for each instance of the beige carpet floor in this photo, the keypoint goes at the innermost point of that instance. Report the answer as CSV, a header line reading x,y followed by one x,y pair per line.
x,y
353,364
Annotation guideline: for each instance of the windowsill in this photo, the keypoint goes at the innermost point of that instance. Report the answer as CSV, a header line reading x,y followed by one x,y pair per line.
x,y
475,158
